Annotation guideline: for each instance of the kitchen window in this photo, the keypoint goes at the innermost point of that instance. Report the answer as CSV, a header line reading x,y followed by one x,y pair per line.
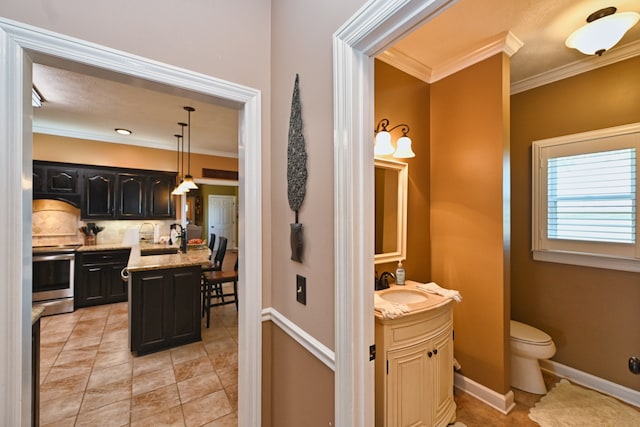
x,y
585,193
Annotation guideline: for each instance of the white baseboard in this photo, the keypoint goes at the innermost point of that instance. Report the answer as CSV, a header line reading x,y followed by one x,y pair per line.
x,y
612,389
501,402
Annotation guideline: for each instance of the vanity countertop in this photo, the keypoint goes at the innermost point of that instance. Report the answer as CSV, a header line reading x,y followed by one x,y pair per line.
x,y
431,302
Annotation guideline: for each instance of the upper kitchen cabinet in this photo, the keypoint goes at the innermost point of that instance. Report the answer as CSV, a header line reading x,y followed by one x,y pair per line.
x,y
99,194
106,192
56,181
160,201
132,189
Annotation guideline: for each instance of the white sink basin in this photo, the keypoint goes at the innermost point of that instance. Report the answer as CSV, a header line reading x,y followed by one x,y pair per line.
x,y
403,295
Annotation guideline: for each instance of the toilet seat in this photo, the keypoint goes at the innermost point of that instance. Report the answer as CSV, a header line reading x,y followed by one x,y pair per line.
x,y
526,334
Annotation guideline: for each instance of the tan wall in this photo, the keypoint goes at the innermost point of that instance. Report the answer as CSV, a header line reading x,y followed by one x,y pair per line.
x,y
402,98
592,314
467,241
302,43
302,386
72,150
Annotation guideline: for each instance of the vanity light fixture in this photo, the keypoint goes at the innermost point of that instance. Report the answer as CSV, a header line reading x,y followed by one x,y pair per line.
x,y
122,131
603,30
383,141
189,183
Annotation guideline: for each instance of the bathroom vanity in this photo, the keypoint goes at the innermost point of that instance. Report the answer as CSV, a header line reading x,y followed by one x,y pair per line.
x,y
414,364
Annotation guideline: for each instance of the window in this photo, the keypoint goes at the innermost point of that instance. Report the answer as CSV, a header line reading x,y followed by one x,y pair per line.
x,y
585,199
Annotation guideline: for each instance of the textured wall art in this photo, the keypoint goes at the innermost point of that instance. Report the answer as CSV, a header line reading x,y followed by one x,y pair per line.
x,y
296,171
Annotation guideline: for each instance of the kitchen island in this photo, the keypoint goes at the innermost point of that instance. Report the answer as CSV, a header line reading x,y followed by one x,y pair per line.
x,y
164,299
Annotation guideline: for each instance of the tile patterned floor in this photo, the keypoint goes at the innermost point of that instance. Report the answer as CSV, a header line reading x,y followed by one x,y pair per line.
x,y
88,377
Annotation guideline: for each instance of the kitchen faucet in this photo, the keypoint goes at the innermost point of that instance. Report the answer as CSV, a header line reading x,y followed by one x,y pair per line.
x,y
182,236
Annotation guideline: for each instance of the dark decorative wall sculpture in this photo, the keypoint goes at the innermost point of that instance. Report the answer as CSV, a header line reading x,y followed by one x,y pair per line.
x,y
296,171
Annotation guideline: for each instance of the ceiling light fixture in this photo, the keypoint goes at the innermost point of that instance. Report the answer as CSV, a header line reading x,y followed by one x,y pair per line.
x,y
189,183
383,145
603,30
122,131
179,190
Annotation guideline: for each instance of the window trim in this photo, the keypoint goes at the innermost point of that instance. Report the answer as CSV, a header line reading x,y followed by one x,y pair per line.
x,y
542,252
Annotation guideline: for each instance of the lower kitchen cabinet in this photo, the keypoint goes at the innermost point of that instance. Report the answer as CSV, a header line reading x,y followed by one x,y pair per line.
x,y
164,308
98,278
414,369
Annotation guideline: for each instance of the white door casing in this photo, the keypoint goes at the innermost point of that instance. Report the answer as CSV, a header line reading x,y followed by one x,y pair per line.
x,y
18,43
371,30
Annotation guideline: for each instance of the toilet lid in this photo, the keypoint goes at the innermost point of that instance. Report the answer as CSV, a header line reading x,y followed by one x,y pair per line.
x,y
526,333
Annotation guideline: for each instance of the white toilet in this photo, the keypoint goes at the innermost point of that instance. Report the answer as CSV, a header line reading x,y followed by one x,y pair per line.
x,y
528,345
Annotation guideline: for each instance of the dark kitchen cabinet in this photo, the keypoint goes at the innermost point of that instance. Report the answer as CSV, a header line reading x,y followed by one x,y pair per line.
x,y
164,308
98,278
35,373
132,191
160,201
99,194
59,181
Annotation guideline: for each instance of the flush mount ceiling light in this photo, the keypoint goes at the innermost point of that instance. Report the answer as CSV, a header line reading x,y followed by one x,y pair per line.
x,y
383,145
122,131
603,30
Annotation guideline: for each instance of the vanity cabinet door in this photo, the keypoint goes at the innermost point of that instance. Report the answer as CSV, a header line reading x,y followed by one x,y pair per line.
x,y
409,387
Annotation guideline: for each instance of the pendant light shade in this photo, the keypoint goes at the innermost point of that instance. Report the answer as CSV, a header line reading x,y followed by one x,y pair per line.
x,y
603,30
404,150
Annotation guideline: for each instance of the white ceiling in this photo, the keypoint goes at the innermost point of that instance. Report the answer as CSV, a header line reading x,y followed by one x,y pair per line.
x,y
90,105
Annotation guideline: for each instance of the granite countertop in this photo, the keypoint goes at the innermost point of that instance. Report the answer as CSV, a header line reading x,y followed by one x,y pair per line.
x,y
121,246
36,313
160,262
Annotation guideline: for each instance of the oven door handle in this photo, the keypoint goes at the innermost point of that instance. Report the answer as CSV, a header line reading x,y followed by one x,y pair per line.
x,y
124,274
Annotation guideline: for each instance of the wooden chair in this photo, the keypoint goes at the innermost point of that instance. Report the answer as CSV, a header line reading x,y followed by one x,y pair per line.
x,y
212,242
213,288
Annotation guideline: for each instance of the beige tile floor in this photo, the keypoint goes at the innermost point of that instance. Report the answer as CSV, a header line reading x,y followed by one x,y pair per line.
x,y
88,376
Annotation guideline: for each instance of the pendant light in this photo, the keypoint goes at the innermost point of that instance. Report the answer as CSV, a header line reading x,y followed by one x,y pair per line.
x,y
179,190
189,183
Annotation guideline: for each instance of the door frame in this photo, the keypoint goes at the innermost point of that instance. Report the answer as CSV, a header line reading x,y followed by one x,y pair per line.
x,y
374,28
18,44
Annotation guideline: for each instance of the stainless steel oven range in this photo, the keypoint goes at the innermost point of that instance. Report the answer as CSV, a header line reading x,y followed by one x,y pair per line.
x,y
53,271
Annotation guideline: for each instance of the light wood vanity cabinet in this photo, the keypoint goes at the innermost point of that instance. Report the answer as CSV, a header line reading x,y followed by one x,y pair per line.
x,y
414,368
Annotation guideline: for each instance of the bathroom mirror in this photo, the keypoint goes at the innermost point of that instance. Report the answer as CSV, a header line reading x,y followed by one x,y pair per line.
x,y
390,210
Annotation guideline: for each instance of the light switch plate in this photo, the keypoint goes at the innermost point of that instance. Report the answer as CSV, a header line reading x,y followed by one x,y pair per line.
x,y
301,289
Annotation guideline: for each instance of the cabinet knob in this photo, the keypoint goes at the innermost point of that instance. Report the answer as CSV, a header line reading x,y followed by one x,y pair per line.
x,y
429,354
435,351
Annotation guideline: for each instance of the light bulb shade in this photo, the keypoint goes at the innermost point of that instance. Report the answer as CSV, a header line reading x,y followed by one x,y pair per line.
x,y
383,145
602,34
189,183
179,190
404,150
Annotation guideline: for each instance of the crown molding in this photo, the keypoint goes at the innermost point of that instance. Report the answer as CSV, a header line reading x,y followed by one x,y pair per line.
x,y
578,67
505,42
404,62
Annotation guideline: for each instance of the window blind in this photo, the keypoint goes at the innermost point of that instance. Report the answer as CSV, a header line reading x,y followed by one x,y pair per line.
x,y
592,197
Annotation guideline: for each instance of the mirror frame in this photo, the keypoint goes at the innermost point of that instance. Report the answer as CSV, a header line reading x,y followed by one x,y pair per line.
x,y
401,244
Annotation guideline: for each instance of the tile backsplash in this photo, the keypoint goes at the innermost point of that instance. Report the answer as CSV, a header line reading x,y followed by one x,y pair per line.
x,y
55,222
